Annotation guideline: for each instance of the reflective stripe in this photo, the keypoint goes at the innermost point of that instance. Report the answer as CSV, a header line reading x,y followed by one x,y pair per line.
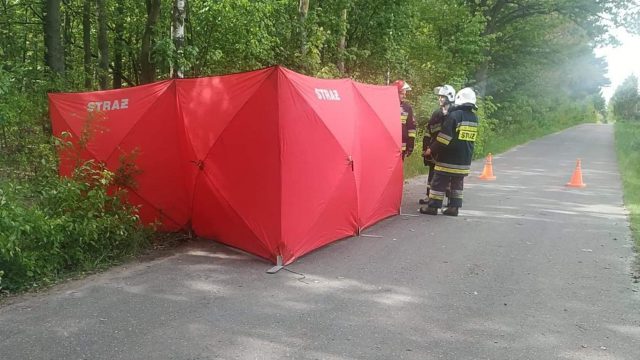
x,y
443,141
404,146
468,123
436,197
456,194
455,166
438,193
452,171
445,136
412,133
468,128
403,118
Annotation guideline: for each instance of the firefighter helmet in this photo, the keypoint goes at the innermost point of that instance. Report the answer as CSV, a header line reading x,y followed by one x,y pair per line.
x,y
466,96
402,85
446,90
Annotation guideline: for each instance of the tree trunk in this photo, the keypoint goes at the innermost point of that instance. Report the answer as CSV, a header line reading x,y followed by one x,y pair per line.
x,y
147,66
86,42
103,45
67,39
54,52
118,44
177,33
342,45
304,11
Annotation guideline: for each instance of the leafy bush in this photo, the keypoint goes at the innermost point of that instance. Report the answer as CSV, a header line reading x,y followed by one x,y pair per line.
x,y
65,225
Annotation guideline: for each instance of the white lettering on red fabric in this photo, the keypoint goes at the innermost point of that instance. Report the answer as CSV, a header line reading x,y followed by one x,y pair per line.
x,y
108,105
327,94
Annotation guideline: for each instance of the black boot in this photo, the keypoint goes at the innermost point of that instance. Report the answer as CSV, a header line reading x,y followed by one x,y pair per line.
x,y
425,201
428,210
451,211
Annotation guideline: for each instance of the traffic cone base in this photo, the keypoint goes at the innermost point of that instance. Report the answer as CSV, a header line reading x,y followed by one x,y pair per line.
x,y
487,172
576,178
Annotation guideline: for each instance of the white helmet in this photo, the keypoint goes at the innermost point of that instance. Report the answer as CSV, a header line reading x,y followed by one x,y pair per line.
x,y
466,96
402,85
446,90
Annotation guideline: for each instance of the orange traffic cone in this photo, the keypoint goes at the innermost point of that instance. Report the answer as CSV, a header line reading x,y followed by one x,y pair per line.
x,y
487,173
576,178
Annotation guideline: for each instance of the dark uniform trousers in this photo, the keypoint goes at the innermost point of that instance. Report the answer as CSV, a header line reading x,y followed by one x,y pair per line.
x,y
432,172
439,186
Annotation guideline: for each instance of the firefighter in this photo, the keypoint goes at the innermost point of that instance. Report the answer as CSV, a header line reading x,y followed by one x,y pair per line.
x,y
407,119
453,150
446,96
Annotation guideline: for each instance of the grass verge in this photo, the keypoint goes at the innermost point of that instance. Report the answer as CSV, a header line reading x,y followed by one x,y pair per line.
x,y
627,135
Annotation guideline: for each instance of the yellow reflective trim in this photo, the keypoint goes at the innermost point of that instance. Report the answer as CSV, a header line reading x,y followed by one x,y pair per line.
x,y
467,135
412,133
443,141
403,118
436,197
468,128
450,170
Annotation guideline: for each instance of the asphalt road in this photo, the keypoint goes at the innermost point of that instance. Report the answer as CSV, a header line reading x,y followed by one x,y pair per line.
x,y
529,270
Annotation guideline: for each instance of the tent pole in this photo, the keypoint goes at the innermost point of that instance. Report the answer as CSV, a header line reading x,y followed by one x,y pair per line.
x,y
278,266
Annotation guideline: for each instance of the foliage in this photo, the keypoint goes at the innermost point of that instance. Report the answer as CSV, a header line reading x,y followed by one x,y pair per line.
x,y
63,225
627,134
626,100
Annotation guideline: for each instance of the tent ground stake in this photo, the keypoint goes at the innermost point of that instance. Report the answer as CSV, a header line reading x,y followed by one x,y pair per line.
x,y
278,266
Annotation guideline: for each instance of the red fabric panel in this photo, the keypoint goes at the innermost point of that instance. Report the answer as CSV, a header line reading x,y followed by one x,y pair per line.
x,y
318,186
206,106
214,218
209,104
160,159
131,103
243,162
380,159
144,119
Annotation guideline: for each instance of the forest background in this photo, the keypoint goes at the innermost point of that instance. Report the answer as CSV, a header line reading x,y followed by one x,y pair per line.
x,y
531,62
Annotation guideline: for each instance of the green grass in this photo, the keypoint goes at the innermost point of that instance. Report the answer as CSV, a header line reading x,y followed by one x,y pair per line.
x,y
413,165
627,135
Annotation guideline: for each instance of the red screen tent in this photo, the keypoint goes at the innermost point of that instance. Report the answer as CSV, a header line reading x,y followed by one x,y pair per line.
x,y
270,161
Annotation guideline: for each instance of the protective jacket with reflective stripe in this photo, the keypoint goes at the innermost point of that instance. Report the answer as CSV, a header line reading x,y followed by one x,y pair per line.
x,y
408,127
453,148
433,128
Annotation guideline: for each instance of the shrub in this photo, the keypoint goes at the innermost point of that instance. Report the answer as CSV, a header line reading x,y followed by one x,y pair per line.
x,y
65,225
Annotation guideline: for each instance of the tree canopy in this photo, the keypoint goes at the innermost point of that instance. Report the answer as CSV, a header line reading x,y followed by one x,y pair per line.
x,y
530,60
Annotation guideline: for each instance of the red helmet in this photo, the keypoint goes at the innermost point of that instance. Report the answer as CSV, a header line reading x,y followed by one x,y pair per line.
x,y
402,85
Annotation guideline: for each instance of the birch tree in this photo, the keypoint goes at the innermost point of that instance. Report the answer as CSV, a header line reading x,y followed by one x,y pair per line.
x,y
177,34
